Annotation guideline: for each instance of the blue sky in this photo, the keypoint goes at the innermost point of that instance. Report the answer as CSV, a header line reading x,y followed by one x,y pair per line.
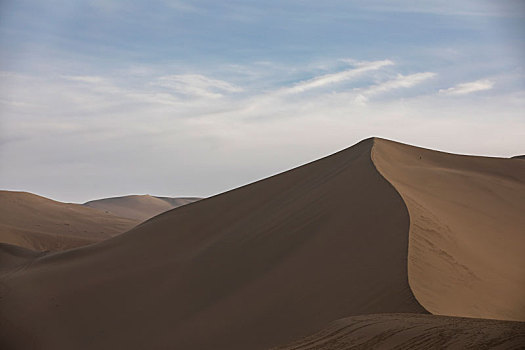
x,y
102,98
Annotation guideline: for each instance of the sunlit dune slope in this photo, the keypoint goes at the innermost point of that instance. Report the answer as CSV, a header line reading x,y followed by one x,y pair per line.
x,y
414,331
467,229
39,223
138,207
252,268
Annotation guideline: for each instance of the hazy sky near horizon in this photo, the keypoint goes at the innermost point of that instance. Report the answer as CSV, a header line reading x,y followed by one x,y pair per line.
x,y
103,98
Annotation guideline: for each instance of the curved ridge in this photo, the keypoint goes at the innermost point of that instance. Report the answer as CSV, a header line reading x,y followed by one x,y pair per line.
x,y
466,229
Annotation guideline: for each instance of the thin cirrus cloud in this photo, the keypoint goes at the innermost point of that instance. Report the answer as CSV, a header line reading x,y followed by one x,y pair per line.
x,y
333,78
180,92
196,85
86,79
468,88
401,81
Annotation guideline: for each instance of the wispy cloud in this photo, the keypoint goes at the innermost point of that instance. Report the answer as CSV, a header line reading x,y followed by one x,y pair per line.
x,y
196,85
333,78
467,88
89,79
401,81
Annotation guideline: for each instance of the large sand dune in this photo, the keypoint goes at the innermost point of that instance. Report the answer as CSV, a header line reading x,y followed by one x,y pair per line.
x,y
248,269
38,223
267,263
138,207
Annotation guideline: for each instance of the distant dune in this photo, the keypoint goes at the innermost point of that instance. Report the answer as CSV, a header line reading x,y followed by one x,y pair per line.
x,y
378,228
39,223
138,207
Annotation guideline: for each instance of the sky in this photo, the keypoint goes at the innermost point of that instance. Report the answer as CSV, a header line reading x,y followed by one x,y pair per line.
x,y
193,98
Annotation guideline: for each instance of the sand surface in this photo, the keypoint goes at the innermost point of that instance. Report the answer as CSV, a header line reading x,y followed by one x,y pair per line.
x,y
467,229
13,257
276,260
138,207
38,223
414,331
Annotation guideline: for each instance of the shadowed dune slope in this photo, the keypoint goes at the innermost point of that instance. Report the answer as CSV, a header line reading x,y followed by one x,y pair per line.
x,y
12,257
414,331
467,229
252,268
39,223
138,207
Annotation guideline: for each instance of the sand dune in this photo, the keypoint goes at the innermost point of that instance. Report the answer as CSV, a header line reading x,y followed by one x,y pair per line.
x,y
39,223
278,259
467,229
413,331
138,207
249,269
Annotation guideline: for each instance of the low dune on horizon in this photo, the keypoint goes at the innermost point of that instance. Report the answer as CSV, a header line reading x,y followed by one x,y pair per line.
x,y
139,207
34,222
38,223
375,246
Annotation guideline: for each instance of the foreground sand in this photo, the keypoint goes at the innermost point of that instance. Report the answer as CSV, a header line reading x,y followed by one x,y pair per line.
x,y
413,331
139,207
38,223
268,263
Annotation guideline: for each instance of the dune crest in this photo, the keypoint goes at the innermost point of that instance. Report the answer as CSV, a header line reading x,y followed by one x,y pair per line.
x,y
467,229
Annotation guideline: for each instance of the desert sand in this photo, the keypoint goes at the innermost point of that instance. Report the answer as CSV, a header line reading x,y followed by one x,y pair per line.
x,y
138,207
42,224
38,223
271,262
467,229
414,331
